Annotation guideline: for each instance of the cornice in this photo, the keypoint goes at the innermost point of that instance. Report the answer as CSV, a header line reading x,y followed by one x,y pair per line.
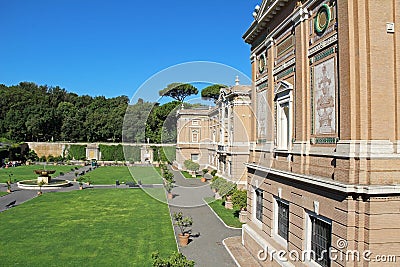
x,y
330,184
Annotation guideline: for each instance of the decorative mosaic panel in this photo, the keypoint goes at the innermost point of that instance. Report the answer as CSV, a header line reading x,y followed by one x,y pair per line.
x,y
285,45
324,86
262,110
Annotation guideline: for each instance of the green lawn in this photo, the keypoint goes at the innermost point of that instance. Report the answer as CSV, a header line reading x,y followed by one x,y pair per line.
x,y
103,227
3,194
148,175
109,174
230,217
26,172
189,176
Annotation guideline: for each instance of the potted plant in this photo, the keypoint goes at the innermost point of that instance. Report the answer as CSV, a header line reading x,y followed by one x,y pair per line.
x,y
40,184
239,201
8,186
168,186
192,166
80,181
183,223
204,179
9,182
88,181
76,175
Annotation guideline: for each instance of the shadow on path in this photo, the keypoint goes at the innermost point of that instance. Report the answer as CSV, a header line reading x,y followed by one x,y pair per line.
x,y
206,249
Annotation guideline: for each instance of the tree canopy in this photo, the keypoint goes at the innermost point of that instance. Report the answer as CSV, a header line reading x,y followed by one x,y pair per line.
x,y
179,91
212,92
30,112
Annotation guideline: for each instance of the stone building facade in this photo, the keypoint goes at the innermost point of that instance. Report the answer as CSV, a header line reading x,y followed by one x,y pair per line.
x,y
324,166
218,137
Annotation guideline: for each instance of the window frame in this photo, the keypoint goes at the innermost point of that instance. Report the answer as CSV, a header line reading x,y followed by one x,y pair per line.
x,y
284,98
196,154
282,240
310,216
193,134
257,211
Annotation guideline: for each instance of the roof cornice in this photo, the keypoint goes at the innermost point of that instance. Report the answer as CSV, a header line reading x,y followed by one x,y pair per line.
x,y
267,12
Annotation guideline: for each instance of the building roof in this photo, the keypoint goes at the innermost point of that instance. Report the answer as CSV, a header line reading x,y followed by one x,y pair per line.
x,y
262,16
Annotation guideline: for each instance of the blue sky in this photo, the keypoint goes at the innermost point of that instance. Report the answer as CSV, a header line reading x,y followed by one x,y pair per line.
x,y
111,48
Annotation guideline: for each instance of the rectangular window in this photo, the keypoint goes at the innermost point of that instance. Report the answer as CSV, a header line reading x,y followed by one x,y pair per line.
x,y
194,157
283,220
283,126
195,122
195,136
321,240
259,204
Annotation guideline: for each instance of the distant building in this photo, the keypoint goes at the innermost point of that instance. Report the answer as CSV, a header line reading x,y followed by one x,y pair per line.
x,y
217,137
324,171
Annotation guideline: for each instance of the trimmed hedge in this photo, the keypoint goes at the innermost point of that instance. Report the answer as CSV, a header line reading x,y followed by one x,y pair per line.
x,y
132,153
77,152
109,153
167,153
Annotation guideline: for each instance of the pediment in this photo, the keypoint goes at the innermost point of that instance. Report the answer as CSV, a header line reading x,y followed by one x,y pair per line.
x,y
282,87
271,6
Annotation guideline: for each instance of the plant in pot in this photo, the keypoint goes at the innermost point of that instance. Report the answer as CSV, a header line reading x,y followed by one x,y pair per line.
x,y
40,184
8,186
183,223
88,181
168,187
169,177
239,201
192,167
9,182
76,176
204,179
226,190
80,181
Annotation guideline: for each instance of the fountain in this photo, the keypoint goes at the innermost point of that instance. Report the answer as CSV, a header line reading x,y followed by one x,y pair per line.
x,y
44,181
44,175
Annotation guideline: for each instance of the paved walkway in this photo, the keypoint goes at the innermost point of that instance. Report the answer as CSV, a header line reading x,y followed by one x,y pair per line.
x,y
206,249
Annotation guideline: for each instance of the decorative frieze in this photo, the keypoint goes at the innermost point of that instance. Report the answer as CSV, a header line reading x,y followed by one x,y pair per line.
x,y
285,45
324,140
323,54
262,86
284,66
263,79
284,57
322,45
285,73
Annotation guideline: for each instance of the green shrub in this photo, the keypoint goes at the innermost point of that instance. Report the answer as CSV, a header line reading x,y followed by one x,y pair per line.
x,y
213,172
175,260
239,199
132,153
169,153
191,166
50,158
112,153
223,186
77,152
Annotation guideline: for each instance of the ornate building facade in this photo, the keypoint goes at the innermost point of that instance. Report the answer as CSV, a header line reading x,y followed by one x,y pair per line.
x,y
324,166
217,137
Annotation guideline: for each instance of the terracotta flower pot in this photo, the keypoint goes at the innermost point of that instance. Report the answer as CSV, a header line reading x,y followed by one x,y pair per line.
x,y
203,179
183,239
170,196
243,216
8,190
